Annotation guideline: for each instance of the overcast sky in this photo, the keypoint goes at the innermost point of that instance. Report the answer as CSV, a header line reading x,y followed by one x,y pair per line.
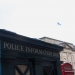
x,y
38,18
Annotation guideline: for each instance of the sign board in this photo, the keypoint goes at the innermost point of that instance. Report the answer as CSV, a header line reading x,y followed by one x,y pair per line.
x,y
27,48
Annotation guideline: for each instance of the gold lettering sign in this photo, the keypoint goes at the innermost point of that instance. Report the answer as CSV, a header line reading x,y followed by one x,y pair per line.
x,y
27,49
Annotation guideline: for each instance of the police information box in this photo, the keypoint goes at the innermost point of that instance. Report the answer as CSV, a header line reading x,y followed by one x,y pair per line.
x,y
20,55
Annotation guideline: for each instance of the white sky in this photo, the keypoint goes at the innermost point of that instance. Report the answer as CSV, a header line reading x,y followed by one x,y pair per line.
x,y
38,18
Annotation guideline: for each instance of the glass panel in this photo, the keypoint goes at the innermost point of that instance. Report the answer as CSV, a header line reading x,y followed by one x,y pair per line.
x,y
22,68
45,72
52,72
28,73
48,69
16,72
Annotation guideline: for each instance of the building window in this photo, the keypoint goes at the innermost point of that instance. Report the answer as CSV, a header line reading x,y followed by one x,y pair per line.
x,y
22,70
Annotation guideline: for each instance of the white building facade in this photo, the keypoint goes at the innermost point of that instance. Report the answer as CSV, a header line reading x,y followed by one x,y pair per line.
x,y
68,53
